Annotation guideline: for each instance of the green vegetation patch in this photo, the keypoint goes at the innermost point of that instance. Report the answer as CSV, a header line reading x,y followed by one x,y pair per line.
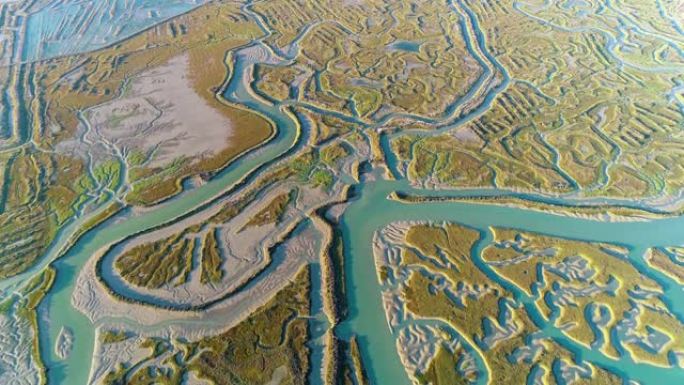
x,y
269,344
271,341
273,213
154,265
212,259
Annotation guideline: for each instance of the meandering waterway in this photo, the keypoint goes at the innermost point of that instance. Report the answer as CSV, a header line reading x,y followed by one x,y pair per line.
x,y
369,210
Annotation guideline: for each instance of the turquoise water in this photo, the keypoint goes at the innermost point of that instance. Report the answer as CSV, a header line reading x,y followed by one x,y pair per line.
x,y
405,45
372,211
236,176
57,28
369,211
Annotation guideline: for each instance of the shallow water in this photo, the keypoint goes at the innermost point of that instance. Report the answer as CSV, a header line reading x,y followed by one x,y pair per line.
x,y
405,45
369,211
73,26
372,211
59,309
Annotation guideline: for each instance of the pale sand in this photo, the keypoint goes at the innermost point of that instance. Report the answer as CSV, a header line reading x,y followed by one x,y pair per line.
x,y
192,379
417,343
279,375
90,297
106,357
18,366
64,344
105,311
245,250
161,112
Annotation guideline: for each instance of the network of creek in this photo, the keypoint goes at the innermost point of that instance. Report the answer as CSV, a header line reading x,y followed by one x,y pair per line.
x,y
370,209
376,198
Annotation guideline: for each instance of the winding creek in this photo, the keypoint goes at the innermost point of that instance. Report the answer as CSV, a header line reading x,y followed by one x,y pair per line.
x,y
369,210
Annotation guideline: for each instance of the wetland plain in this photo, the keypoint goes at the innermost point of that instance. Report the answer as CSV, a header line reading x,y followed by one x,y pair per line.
x,y
357,192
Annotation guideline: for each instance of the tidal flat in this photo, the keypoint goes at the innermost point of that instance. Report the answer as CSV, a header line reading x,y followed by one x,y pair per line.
x,y
341,192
